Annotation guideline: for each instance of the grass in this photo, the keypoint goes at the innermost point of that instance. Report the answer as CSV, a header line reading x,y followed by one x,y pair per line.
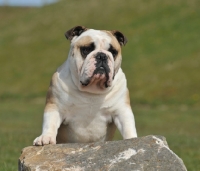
x,y
161,62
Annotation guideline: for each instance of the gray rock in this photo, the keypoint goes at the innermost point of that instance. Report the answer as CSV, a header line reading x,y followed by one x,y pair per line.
x,y
150,153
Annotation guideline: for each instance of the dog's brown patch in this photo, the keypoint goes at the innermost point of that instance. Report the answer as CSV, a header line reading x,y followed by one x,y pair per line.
x,y
114,41
111,128
50,100
120,37
84,41
127,98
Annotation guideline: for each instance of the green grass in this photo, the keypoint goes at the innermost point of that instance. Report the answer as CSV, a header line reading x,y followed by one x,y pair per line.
x,y
161,62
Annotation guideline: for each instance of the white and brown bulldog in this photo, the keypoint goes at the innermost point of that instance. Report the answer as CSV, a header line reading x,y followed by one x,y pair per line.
x,y
88,96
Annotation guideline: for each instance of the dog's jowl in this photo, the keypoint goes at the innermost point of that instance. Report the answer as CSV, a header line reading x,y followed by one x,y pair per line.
x,y
88,96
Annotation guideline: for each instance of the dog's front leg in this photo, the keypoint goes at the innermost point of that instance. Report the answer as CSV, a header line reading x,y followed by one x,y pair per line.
x,y
51,123
124,120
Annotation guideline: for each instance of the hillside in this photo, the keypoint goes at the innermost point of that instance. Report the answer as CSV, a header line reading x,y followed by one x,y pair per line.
x,y
162,51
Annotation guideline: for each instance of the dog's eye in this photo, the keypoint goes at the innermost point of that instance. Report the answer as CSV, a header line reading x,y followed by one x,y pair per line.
x,y
113,51
85,50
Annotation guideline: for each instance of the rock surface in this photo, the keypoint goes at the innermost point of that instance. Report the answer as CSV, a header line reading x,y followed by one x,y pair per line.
x,y
150,153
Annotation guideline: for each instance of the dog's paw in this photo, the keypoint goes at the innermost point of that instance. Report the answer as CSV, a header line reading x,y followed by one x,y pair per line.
x,y
44,140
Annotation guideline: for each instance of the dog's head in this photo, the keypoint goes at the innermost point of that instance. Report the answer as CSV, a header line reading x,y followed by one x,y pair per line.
x,y
94,57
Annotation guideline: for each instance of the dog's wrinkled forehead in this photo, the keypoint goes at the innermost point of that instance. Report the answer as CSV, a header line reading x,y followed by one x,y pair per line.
x,y
101,39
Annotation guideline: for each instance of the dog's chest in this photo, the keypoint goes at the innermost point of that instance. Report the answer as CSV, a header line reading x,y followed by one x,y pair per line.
x,y
87,123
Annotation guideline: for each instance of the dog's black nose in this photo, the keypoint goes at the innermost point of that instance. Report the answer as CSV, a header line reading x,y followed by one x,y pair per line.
x,y
101,56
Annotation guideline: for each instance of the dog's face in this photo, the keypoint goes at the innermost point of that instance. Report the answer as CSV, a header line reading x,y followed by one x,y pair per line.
x,y
94,57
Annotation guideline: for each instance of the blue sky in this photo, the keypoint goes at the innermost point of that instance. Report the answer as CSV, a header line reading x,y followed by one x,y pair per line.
x,y
26,2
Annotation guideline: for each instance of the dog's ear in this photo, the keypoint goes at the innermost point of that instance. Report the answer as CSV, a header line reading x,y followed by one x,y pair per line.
x,y
120,37
75,31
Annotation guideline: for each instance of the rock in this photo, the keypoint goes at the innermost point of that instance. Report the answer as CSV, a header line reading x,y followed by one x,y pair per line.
x,y
150,153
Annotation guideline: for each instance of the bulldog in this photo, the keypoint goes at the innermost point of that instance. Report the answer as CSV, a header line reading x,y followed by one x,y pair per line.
x,y
88,96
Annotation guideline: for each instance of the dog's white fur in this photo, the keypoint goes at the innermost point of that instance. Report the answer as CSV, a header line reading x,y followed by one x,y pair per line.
x,y
77,113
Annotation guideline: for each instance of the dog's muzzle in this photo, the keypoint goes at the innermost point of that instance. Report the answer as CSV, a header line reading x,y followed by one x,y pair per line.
x,y
100,67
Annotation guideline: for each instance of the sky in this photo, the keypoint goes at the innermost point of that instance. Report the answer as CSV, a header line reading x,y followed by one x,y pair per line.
x,y
25,2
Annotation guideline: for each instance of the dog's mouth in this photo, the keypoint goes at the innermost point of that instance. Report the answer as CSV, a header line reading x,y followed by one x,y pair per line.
x,y
101,70
101,73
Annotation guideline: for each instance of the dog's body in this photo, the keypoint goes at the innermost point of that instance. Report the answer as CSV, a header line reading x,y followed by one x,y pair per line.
x,y
88,94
